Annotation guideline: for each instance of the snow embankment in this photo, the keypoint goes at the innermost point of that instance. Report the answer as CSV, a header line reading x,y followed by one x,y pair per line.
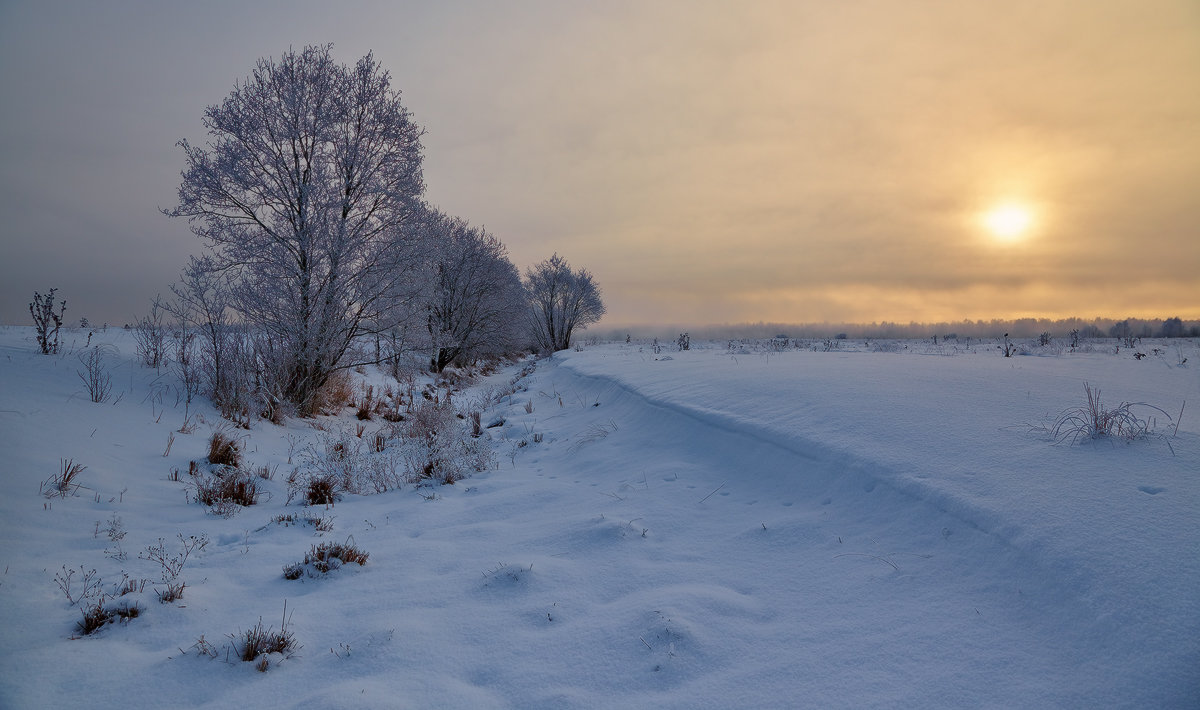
x,y
1111,524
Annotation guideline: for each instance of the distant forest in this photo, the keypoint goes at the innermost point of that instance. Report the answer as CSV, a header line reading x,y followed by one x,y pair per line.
x,y
996,328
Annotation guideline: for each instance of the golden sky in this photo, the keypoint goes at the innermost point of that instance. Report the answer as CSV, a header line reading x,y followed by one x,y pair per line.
x,y
736,161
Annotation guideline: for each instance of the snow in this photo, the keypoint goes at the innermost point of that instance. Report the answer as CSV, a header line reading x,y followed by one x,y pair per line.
x,y
721,527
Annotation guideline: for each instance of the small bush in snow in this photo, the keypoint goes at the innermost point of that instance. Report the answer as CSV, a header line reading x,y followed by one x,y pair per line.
x,y
171,563
346,462
76,590
437,448
46,321
150,336
94,376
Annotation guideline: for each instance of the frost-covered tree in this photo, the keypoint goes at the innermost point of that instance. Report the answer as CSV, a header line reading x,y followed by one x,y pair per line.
x,y
304,193
561,300
474,301
201,306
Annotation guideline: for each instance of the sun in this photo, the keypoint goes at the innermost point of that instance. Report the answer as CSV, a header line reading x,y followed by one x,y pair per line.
x,y
1008,222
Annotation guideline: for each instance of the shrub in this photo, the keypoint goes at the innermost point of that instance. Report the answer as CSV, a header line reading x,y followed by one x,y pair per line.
x,y
150,336
89,584
171,564
437,448
46,321
223,450
343,462
94,376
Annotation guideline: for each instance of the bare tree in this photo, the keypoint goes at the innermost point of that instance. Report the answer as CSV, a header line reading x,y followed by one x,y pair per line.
x,y
561,300
474,300
311,174
201,304
150,335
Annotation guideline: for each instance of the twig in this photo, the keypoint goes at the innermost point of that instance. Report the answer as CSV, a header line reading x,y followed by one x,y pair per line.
x,y
874,557
644,643
1176,434
710,495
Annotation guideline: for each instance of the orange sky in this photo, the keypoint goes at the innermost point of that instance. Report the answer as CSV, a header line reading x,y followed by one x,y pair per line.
x,y
708,161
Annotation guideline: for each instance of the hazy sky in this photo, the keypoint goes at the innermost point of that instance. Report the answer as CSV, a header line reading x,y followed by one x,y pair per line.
x,y
708,161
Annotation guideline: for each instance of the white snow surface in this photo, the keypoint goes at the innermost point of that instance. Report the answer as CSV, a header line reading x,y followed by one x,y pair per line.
x,y
720,528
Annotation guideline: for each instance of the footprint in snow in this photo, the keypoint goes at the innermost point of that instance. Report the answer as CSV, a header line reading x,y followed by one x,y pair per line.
x,y
1152,490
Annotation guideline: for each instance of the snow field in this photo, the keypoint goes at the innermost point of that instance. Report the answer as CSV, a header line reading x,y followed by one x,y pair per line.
x,y
722,530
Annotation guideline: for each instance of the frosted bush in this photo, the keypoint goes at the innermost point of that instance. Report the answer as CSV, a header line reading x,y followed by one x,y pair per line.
x,y
437,447
343,462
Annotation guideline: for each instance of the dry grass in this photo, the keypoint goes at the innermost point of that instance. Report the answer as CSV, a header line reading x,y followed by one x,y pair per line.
x,y
322,524
97,616
322,490
366,404
1094,421
324,558
223,450
259,641
65,483
221,490
335,394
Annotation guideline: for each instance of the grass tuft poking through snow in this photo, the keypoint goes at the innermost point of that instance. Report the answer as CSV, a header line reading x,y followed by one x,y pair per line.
x,y
65,483
1093,421
223,450
324,558
97,616
258,641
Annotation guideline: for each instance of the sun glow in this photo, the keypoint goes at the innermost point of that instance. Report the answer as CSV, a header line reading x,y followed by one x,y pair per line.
x,y
1008,222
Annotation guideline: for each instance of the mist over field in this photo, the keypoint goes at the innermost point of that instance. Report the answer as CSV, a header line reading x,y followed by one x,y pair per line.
x,y
996,328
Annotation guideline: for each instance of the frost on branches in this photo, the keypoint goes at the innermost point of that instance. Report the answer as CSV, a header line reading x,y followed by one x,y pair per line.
x,y
306,193
561,300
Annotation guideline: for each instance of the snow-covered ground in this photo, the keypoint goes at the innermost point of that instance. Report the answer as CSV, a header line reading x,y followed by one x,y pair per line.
x,y
726,527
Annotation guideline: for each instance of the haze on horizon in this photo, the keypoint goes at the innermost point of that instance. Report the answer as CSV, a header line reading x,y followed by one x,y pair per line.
x,y
709,162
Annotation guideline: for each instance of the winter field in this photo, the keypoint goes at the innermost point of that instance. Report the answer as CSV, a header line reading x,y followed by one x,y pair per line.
x,y
734,526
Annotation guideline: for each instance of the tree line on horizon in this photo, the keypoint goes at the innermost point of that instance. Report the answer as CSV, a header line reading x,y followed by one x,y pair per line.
x,y
1173,327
